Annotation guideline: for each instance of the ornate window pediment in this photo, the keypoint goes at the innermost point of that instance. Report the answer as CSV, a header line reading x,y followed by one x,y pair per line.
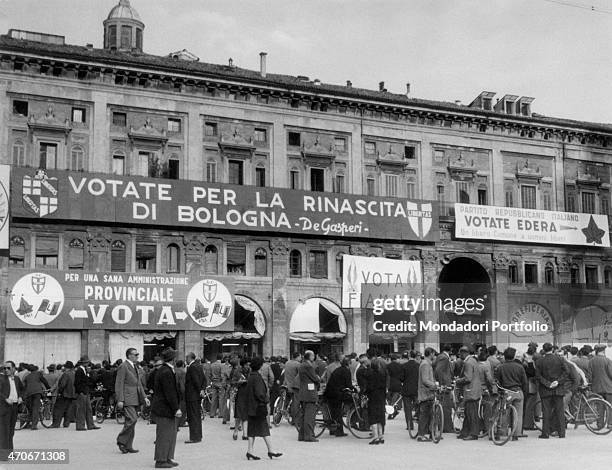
x,y
236,145
50,123
528,172
391,161
461,170
317,155
588,179
147,136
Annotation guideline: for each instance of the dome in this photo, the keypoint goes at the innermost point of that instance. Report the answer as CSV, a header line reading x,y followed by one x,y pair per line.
x,y
124,11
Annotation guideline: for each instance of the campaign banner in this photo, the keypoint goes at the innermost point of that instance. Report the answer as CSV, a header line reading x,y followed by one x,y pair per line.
x,y
123,301
66,195
5,184
530,225
380,272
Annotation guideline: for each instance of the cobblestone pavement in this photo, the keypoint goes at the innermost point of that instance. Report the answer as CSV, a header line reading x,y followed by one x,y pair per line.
x,y
96,450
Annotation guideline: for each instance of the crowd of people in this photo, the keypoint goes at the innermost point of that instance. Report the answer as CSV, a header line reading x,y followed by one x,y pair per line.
x,y
243,390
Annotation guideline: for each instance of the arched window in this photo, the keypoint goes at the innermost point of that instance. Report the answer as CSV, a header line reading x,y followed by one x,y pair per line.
x,y
295,263
173,254
211,260
118,256
261,262
549,274
77,158
19,153
17,252
76,254
513,273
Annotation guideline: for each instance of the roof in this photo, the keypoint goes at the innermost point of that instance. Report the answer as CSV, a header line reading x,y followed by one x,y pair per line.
x,y
203,70
124,10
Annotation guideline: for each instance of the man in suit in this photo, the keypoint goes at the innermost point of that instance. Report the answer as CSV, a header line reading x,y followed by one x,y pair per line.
x,y
307,396
292,382
601,373
218,387
337,382
552,375
64,405
82,387
410,381
165,409
195,384
443,373
130,396
426,387
11,395
472,392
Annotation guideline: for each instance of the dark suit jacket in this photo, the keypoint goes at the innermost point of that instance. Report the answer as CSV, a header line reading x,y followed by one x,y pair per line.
x,y
35,383
549,368
410,379
165,393
257,393
195,381
395,376
5,391
128,386
309,382
65,385
82,382
337,382
442,370
601,372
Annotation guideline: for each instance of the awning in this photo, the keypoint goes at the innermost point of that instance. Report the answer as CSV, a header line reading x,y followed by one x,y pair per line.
x,y
249,321
158,335
316,319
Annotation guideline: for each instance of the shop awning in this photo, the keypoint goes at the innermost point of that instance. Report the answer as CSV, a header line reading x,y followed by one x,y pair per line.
x,y
316,319
249,321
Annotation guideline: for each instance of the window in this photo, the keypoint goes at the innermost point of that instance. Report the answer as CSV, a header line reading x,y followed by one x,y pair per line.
x,y
339,184
605,206
260,135
151,163
236,260
260,177
525,109
294,179
513,273
118,164
17,252
391,185
118,257
482,197
146,257
19,153
47,247
509,194
295,139
370,148
339,257
440,193
210,129
409,152
340,144
48,156
439,156
318,264
119,119
138,39
261,262
528,197
78,115
463,194
590,276
76,254
487,104
574,274
174,125
173,167
588,202
411,190
211,260
317,179
211,172
236,174
531,273
173,255
607,276
126,37
547,202
112,37
371,186
295,263
77,156
549,274
20,108
571,203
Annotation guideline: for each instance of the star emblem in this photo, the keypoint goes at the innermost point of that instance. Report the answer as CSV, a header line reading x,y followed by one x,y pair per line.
x,y
593,233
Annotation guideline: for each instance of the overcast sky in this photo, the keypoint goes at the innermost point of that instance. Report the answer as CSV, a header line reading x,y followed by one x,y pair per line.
x,y
447,49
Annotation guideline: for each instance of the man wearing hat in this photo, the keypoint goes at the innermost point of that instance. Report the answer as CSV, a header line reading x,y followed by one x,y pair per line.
x,y
64,405
164,409
512,376
601,373
552,375
82,387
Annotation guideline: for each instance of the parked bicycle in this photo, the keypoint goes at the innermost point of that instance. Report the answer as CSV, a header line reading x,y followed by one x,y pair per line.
x,y
45,414
354,413
591,410
282,407
206,402
105,410
505,417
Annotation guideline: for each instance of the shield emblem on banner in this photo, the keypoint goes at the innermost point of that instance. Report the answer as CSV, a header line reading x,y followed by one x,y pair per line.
x,y
38,283
419,218
209,291
39,193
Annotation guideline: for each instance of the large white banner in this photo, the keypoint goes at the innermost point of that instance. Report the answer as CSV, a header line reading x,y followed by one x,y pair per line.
x,y
358,270
5,173
530,225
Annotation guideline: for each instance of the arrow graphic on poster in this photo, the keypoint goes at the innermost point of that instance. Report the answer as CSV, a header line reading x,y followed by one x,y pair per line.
x,y
180,315
567,227
74,313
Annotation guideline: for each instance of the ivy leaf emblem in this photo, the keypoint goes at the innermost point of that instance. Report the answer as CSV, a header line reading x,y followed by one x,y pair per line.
x,y
200,312
593,233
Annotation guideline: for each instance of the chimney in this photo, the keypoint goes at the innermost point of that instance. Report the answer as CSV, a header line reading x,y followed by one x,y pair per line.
x,y
407,89
458,102
349,84
317,82
381,86
262,64
230,62
89,46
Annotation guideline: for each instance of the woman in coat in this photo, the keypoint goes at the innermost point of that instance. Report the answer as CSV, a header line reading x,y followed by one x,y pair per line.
x,y
376,390
257,409
238,382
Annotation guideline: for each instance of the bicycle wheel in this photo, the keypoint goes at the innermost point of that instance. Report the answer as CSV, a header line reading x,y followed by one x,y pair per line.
x,y
437,423
413,425
100,411
457,416
320,422
597,415
22,416
277,414
287,412
358,423
46,414
503,425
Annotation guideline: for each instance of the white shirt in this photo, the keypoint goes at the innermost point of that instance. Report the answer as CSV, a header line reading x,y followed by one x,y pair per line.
x,y
13,394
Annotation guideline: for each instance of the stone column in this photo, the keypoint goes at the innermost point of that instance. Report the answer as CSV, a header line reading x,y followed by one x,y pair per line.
x,y
499,299
193,343
566,311
430,261
276,339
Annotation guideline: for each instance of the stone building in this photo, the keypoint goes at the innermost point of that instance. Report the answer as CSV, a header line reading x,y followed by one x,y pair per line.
x,y
121,114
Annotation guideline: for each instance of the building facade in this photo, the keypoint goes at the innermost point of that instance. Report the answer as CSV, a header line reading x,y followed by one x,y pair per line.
x,y
118,113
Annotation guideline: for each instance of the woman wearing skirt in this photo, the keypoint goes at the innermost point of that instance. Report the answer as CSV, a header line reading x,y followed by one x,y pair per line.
x,y
238,379
257,408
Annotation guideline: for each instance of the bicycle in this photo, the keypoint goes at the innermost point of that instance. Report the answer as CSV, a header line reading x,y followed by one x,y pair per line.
x,y
45,414
102,410
282,407
592,411
505,417
355,416
458,410
206,402
393,409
